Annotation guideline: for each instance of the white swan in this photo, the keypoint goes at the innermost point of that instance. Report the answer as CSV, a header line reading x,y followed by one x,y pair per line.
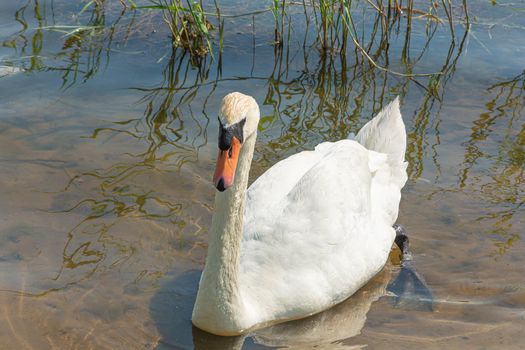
x,y
308,233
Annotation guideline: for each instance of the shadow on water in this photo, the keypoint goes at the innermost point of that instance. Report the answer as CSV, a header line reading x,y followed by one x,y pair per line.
x,y
172,305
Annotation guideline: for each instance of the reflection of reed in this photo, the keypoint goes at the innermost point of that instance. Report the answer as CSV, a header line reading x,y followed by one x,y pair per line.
x,y
172,136
502,187
85,47
432,100
326,100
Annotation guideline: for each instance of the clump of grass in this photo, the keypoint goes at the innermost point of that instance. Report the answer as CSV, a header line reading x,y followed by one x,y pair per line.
x,y
188,24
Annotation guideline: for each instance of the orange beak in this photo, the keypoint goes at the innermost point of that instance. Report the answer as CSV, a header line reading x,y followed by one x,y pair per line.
x,y
226,165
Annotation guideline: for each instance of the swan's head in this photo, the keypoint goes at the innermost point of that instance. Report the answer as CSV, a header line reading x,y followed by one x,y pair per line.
x,y
238,119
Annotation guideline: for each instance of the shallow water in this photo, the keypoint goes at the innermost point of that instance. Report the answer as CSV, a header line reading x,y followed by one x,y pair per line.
x,y
108,143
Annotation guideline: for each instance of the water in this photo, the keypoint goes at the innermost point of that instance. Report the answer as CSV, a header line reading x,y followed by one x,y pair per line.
x,y
108,143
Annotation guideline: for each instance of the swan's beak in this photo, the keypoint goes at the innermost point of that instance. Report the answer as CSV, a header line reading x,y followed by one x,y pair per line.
x,y
226,165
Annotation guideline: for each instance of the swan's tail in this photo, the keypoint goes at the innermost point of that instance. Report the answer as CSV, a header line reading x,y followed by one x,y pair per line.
x,y
386,134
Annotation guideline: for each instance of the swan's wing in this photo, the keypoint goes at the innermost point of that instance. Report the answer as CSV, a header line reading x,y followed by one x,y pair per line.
x,y
319,243
271,189
278,181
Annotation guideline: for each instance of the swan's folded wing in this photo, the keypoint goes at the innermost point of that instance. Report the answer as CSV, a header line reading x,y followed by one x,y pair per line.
x,y
309,174
271,187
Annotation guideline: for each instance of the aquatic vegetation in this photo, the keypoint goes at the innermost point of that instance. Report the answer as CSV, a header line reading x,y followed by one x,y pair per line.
x,y
188,24
334,23
201,27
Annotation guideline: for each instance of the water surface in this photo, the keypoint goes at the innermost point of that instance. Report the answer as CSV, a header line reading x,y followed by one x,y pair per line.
x,y
108,142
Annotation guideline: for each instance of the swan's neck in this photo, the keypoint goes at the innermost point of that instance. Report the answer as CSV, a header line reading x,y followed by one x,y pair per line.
x,y
219,300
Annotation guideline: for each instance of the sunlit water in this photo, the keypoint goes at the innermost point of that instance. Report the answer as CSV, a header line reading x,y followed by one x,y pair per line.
x,y
108,142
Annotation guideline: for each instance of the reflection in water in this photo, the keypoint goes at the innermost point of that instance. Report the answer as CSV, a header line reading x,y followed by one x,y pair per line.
x,y
324,101
430,108
503,184
172,136
331,93
499,186
172,305
85,48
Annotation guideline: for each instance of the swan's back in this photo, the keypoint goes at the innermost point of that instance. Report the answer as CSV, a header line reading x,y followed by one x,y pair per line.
x,y
318,225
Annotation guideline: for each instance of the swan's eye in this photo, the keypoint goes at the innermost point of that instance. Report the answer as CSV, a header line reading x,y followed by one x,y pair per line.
x,y
230,151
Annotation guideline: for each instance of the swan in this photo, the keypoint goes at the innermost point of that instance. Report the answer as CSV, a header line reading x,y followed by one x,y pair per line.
x,y
308,233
